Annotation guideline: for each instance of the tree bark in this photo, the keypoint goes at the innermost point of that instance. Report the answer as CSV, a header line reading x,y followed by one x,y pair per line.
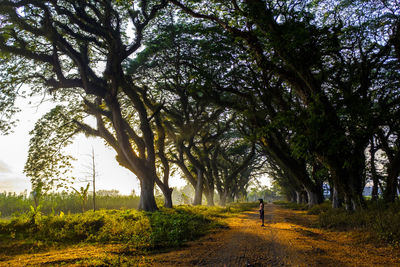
x,y
375,178
298,197
222,198
390,193
167,192
336,200
168,198
313,198
198,194
147,201
210,198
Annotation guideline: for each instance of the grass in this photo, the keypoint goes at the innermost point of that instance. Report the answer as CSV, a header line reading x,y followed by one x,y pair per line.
x,y
378,218
54,203
291,205
144,231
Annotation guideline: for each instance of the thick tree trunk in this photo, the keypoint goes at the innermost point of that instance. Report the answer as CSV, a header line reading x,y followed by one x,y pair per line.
x,y
347,175
198,191
348,203
147,200
314,198
292,196
222,198
210,197
315,192
336,199
390,193
357,184
391,186
230,198
209,189
168,198
375,187
298,197
304,197
167,192
398,186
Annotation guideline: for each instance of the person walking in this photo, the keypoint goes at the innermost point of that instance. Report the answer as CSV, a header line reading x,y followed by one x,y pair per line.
x,y
261,210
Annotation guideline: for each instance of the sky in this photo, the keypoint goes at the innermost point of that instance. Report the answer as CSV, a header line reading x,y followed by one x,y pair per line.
x,y
14,151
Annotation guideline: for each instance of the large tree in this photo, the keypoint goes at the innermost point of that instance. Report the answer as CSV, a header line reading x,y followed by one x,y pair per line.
x,y
204,61
335,66
172,66
76,50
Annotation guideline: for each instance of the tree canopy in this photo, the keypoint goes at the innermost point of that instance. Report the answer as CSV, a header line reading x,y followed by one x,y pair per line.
x,y
215,88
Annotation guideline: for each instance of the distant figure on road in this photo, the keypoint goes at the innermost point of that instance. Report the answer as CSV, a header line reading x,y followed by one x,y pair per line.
x,y
261,211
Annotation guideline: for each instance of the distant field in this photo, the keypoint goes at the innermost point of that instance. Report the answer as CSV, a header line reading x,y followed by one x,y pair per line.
x,y
11,203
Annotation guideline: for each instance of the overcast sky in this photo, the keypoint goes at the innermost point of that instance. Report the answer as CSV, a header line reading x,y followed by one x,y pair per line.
x,y
14,149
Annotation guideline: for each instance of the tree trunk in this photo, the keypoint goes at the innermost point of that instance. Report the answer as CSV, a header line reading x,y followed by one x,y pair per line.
x,y
210,198
304,197
230,198
347,174
315,192
168,198
398,186
147,200
222,198
392,179
198,191
167,192
348,204
336,200
314,198
298,197
375,179
357,184
292,196
375,187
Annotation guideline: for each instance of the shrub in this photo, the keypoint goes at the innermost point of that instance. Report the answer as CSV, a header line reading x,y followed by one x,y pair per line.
x,y
291,205
318,209
379,218
142,230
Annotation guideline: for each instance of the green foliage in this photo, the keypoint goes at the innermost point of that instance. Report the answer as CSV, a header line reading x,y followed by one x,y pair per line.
x,y
9,90
83,194
139,229
291,205
12,203
47,165
320,208
55,203
268,194
379,218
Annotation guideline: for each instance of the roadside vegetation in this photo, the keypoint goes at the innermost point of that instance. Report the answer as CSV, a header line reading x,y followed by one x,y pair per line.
x,y
139,230
380,219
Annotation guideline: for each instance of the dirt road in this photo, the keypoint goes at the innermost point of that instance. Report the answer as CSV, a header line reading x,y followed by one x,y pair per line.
x,y
286,240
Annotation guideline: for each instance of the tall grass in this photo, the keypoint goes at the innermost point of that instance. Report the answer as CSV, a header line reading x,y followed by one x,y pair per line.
x,y
379,218
11,203
142,230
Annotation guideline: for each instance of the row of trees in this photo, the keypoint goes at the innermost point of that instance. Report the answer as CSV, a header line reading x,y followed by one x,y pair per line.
x,y
323,89
222,90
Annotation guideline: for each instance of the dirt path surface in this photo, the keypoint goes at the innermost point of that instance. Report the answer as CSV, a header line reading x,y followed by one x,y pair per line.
x,y
286,240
